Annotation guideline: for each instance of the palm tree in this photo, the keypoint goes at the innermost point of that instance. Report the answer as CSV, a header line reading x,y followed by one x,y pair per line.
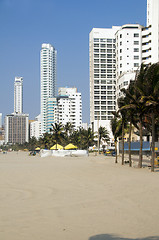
x,y
103,135
116,127
88,137
122,102
45,141
57,133
151,99
136,104
131,114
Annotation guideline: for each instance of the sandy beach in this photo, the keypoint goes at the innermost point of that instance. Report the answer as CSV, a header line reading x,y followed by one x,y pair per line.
x,y
76,198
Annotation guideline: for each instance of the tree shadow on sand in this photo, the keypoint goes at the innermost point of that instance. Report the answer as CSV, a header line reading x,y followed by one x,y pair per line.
x,y
113,237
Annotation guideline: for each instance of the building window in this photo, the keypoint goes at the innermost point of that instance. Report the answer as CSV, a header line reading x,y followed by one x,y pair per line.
x,y
103,60
103,118
103,87
103,97
136,57
136,64
103,81
96,60
96,40
136,34
96,97
136,49
96,81
103,65
96,50
96,55
136,42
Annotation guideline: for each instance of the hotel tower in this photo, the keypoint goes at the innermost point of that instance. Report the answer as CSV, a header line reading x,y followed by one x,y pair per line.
x,y
48,79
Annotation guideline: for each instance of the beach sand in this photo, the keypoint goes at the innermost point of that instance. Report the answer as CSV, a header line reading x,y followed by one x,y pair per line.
x,y
76,198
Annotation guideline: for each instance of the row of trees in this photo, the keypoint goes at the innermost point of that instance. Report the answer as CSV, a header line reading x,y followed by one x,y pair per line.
x,y
64,135
139,107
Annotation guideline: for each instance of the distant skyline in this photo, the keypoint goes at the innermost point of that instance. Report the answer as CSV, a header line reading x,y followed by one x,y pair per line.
x,y
26,24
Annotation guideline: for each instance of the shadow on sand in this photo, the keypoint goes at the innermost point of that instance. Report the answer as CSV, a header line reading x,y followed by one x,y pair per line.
x,y
113,237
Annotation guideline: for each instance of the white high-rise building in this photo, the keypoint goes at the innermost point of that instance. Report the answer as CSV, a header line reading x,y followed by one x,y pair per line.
x,y
0,120
102,59
150,34
18,95
69,107
128,55
48,78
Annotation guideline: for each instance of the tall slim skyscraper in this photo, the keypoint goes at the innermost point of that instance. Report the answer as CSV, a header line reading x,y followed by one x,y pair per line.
x,y
48,78
18,95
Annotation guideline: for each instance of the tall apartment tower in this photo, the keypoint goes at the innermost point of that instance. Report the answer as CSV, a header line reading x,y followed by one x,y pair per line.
x,y
48,78
128,55
150,34
18,95
102,60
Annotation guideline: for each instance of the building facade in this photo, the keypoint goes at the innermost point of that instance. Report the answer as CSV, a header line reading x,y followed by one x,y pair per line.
x,y
48,79
0,120
102,60
69,107
18,95
16,128
150,34
128,55
35,128
51,113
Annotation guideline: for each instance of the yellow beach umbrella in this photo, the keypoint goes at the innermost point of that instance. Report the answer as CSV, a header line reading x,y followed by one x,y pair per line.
x,y
37,148
70,146
56,146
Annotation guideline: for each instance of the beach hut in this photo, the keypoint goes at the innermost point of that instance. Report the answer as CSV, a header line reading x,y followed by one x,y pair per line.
x,y
70,146
56,146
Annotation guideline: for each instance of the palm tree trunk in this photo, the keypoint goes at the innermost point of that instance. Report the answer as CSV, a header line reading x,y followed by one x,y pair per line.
x,y
122,143
141,144
153,142
130,162
116,156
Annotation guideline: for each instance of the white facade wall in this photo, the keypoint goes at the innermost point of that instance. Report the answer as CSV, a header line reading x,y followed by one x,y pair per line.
x,y
69,107
128,55
48,79
35,128
0,120
151,33
18,95
102,61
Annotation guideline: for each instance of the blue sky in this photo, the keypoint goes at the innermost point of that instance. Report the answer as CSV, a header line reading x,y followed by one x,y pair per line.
x,y
26,24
